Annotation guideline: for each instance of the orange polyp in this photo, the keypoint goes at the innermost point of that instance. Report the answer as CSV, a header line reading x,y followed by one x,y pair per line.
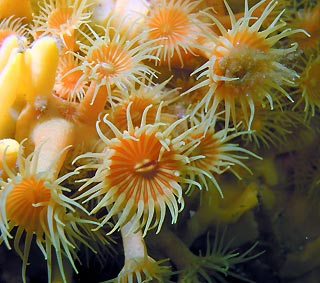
x,y
174,25
308,20
308,81
37,210
11,26
209,147
69,81
27,194
135,158
118,112
243,66
225,21
169,23
139,98
241,38
146,167
250,39
218,153
69,39
66,83
59,18
141,172
110,60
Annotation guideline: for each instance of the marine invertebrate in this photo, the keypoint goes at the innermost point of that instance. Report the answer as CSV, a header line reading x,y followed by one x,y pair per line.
x,y
243,67
307,18
34,201
273,128
218,153
66,84
138,266
173,22
39,69
138,99
9,149
97,94
10,26
140,173
114,62
61,19
218,262
307,84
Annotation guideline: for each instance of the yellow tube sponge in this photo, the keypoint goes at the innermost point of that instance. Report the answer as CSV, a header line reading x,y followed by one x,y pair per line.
x,y
9,46
10,77
42,60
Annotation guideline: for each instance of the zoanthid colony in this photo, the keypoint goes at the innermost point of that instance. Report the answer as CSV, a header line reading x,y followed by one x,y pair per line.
x,y
159,141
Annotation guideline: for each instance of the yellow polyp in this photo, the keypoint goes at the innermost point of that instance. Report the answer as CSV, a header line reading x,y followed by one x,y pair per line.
x,y
19,8
9,149
10,77
42,59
